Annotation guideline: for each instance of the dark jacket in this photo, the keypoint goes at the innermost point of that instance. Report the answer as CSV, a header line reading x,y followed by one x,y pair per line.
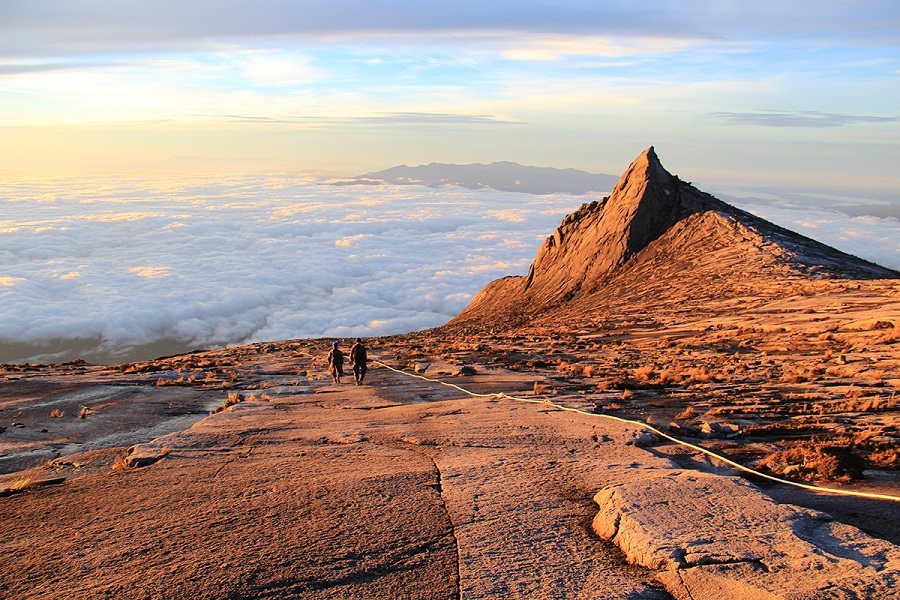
x,y
358,354
336,360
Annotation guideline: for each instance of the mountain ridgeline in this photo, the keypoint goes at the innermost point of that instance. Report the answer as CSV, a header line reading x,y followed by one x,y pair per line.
x,y
657,237
504,176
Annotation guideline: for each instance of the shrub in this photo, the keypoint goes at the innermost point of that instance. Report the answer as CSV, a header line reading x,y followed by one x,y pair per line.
x,y
810,461
668,377
885,459
645,373
698,375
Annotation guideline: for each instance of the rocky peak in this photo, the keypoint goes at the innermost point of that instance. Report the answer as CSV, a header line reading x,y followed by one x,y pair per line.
x,y
602,236
652,235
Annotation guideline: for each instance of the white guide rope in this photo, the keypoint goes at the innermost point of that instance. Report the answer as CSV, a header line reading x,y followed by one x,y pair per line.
x,y
705,451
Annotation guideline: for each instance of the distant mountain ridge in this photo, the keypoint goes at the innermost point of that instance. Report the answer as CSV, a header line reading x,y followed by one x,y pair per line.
x,y
658,238
504,176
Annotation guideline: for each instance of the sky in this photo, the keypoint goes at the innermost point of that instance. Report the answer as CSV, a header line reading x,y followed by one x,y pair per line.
x,y
766,92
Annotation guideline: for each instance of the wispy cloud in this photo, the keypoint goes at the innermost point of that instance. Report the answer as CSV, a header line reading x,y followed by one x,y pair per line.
x,y
385,119
19,68
417,118
51,27
810,118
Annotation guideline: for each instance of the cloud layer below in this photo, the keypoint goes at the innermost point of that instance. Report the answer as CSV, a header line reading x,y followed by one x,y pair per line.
x,y
118,269
122,264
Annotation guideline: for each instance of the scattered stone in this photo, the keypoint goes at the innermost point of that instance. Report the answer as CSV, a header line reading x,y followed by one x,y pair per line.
x,y
465,371
144,455
642,438
347,438
719,430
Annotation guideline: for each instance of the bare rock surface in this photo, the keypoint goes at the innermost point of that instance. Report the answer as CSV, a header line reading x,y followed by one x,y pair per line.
x,y
717,533
408,489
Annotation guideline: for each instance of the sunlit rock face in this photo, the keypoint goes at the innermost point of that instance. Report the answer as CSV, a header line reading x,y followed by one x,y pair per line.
x,y
657,225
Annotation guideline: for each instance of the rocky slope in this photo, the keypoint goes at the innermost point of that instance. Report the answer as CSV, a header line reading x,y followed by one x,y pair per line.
x,y
664,229
401,488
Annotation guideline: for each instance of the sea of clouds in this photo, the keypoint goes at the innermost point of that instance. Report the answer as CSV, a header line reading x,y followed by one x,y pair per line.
x,y
116,269
110,265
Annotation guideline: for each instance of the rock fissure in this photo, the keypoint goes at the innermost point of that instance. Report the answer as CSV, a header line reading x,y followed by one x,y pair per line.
x,y
440,490
684,585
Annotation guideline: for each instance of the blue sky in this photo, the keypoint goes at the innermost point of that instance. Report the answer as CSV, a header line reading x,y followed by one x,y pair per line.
x,y
775,93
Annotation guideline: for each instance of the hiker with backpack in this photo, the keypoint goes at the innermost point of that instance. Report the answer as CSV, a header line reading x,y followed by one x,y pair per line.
x,y
335,363
358,359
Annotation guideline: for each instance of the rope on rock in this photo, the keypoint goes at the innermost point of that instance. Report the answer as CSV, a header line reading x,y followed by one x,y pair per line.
x,y
701,449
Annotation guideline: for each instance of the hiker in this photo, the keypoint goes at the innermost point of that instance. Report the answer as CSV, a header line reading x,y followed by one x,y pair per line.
x,y
358,361
335,363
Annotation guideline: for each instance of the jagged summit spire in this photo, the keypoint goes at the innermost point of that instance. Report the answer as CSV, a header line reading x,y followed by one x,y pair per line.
x,y
646,166
602,236
654,226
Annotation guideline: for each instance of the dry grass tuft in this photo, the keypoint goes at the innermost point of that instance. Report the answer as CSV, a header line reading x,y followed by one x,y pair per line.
x,y
698,375
811,461
233,398
885,459
687,413
21,484
57,414
853,392
645,373
890,336
668,377
856,401
844,372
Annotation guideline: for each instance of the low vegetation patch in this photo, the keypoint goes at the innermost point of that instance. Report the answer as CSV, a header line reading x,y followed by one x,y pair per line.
x,y
811,461
233,398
